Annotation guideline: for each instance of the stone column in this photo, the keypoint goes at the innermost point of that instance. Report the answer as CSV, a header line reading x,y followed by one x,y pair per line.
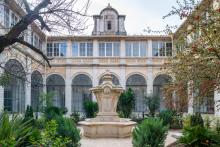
x,y
149,69
122,62
68,91
217,102
28,84
190,97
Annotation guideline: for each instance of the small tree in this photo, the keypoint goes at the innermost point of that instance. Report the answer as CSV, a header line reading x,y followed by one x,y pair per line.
x,y
126,103
29,116
153,103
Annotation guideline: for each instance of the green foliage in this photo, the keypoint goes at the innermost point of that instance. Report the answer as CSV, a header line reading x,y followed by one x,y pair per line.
x,y
198,136
150,133
4,79
207,122
91,108
29,114
67,129
75,117
171,118
196,119
166,116
186,121
217,126
50,136
153,103
126,103
52,112
13,131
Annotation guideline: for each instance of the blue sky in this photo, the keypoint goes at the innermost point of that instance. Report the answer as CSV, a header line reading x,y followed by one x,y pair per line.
x,y
139,14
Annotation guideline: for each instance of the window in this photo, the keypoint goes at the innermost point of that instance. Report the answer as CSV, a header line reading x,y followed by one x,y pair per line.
x,y
101,49
109,49
128,48
155,48
82,49
162,49
32,38
136,49
14,19
56,49
143,49
49,49
75,49
63,49
116,49
109,25
169,49
6,17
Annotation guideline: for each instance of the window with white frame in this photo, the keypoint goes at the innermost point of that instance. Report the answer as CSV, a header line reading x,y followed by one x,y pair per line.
x,y
83,49
56,49
161,48
109,49
6,17
136,49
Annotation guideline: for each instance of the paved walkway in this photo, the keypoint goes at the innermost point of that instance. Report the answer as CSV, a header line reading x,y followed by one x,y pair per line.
x,y
122,142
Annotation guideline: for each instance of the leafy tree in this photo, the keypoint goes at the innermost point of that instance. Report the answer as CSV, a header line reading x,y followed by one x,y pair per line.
x,y
153,103
126,103
197,54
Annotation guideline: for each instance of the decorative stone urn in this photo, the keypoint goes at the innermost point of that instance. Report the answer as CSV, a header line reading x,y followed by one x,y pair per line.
x,y
107,123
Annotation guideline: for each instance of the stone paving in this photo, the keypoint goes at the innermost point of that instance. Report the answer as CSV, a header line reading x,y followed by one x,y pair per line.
x,y
122,142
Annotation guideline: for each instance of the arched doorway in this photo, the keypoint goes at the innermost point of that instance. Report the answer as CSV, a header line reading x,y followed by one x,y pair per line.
x,y
36,90
14,91
159,82
56,85
138,84
80,91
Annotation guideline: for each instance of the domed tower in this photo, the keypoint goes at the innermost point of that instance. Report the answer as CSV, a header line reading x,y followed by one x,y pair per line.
x,y
109,22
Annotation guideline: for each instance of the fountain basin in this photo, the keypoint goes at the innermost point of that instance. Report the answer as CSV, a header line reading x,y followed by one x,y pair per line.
x,y
98,129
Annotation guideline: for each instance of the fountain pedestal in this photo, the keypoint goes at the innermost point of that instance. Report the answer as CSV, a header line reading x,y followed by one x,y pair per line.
x,y
107,123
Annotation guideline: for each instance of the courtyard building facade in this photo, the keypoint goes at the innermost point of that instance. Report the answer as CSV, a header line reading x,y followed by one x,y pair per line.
x,y
79,63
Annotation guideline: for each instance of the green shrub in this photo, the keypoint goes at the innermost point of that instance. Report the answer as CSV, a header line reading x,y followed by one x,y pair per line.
x,y
196,119
217,126
177,121
198,136
50,137
91,108
52,112
153,104
166,116
75,117
40,123
13,132
151,132
207,122
67,128
186,121
29,115
126,103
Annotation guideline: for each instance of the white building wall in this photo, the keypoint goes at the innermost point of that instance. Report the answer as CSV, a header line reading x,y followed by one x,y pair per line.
x,y
28,83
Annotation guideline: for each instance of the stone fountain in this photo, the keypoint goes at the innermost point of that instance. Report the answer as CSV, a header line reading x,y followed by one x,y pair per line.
x,y
107,123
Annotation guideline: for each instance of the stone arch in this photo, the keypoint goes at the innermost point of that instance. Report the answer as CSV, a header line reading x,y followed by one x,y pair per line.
x,y
158,83
14,91
138,84
80,91
56,84
36,90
